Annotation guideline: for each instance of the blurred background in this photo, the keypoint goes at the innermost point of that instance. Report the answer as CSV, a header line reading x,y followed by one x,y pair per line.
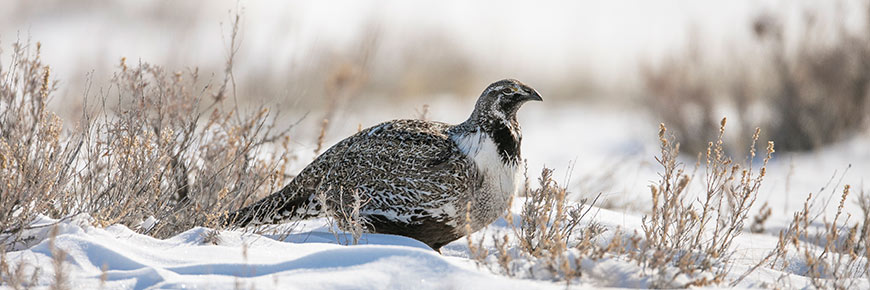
x,y
609,72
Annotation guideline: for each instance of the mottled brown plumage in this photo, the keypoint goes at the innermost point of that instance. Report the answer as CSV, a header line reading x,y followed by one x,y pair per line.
x,y
418,177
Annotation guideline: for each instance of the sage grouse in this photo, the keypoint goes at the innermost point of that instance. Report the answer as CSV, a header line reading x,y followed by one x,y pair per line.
x,y
416,178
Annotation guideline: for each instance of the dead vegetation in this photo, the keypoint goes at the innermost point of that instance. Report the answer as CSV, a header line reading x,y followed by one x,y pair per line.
x,y
343,216
694,235
760,219
805,85
159,152
37,160
172,153
546,224
687,237
545,236
831,254
166,156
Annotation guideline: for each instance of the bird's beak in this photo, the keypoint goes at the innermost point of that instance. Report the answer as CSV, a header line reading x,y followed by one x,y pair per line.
x,y
533,96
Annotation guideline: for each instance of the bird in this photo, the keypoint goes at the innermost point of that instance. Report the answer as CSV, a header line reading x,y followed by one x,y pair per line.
x,y
427,180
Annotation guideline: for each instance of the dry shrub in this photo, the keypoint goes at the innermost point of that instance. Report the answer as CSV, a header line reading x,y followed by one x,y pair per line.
x,y
548,241
820,92
682,90
163,154
344,214
61,275
174,153
760,219
863,244
36,158
833,256
686,240
804,92
547,220
171,153
14,275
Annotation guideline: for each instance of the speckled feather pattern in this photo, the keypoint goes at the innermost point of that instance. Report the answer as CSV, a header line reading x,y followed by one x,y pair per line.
x,y
417,177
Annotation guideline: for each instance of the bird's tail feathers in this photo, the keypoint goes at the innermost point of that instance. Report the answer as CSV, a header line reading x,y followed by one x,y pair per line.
x,y
275,208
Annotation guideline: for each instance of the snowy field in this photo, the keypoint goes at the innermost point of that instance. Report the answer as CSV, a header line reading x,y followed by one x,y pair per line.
x,y
312,257
603,145
119,258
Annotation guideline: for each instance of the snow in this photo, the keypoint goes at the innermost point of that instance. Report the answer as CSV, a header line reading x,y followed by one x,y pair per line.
x,y
312,257
594,148
119,258
601,142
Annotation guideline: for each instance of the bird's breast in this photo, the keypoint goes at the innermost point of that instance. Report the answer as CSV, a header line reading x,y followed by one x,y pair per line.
x,y
501,180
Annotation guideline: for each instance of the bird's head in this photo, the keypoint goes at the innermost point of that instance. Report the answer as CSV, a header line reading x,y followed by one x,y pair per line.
x,y
503,98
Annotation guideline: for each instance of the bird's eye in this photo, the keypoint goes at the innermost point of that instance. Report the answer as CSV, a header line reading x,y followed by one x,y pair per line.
x,y
507,91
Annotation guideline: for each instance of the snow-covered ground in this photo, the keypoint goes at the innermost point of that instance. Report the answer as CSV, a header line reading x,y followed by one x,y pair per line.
x,y
312,258
119,258
616,160
594,148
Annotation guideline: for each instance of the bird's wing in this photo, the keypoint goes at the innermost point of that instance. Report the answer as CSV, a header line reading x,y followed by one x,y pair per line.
x,y
403,170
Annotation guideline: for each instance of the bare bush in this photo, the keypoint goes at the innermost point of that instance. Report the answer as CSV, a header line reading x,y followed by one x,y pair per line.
x,y
833,256
821,91
758,221
14,274
163,155
807,93
549,231
36,157
61,275
344,214
547,220
863,245
692,240
546,225
682,91
171,154
686,241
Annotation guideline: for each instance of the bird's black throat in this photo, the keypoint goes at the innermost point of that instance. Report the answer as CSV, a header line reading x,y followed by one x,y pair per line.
x,y
507,138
